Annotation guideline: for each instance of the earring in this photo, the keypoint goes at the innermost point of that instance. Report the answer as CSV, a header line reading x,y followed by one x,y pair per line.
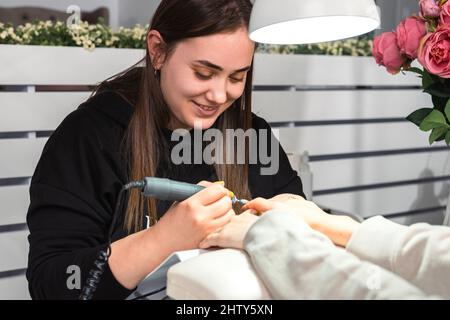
x,y
157,72
243,102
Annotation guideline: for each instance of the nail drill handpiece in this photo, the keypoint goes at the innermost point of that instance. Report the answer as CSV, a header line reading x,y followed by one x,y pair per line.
x,y
166,189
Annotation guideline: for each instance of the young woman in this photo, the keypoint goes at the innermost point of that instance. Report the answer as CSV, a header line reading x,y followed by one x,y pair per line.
x,y
197,72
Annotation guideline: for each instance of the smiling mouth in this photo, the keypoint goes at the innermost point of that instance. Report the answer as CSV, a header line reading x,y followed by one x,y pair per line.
x,y
206,108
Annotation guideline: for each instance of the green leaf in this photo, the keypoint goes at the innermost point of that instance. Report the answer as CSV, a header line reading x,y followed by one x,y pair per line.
x,y
427,79
447,110
447,138
415,70
439,103
417,116
434,120
438,133
438,89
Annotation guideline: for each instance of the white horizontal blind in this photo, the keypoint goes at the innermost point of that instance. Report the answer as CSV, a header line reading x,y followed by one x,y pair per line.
x,y
14,200
40,111
346,112
19,156
14,287
29,65
18,244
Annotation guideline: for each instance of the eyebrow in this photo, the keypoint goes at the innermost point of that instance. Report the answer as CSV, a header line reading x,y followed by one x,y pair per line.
x,y
214,66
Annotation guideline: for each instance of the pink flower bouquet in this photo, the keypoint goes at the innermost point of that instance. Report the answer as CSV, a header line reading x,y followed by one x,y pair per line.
x,y
425,37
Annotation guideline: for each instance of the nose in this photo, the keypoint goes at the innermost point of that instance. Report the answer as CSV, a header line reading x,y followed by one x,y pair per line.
x,y
217,93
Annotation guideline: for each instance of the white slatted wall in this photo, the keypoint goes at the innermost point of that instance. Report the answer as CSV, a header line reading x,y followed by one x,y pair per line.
x,y
344,111
27,118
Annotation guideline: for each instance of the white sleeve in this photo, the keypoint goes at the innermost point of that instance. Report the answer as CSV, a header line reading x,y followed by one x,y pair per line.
x,y
296,262
419,253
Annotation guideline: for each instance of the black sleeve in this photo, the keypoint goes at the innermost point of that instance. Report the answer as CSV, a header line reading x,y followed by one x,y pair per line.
x,y
72,194
285,179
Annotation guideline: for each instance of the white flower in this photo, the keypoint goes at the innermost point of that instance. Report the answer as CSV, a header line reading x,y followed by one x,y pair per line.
x,y
3,34
89,47
16,38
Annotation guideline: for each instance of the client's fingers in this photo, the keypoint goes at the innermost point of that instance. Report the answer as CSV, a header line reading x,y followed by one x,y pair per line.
x,y
221,221
232,234
286,197
260,205
250,211
212,240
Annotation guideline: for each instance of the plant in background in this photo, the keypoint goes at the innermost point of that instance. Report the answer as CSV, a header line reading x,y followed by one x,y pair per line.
x,y
425,37
357,47
89,36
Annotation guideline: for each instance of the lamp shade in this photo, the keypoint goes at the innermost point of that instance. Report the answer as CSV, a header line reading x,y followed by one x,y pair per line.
x,y
311,21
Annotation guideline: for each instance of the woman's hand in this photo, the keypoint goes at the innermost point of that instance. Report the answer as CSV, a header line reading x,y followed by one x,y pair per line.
x,y
188,222
232,235
338,228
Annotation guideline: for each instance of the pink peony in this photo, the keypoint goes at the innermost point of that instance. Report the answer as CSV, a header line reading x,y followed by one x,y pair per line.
x,y
429,8
409,33
387,53
445,13
434,52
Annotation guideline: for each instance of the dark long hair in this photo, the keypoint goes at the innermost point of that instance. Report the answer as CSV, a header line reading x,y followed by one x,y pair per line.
x,y
177,20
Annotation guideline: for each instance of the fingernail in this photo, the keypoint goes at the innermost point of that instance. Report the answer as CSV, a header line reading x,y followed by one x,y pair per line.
x,y
220,182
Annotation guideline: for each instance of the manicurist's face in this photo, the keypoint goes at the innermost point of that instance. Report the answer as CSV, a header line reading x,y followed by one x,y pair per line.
x,y
203,76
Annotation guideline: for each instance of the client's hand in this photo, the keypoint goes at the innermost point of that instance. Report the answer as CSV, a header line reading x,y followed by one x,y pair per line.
x,y
308,211
231,235
338,228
